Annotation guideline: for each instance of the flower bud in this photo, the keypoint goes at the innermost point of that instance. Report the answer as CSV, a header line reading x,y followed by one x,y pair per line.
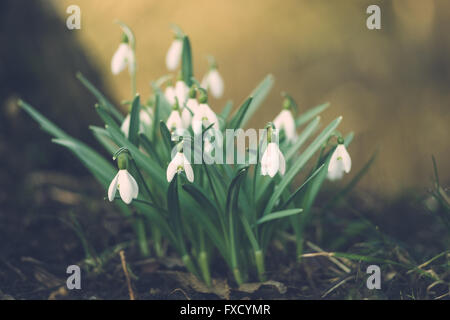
x,y
122,161
287,104
203,98
192,92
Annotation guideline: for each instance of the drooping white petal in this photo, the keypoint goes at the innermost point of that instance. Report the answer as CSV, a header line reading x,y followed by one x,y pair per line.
x,y
186,117
335,174
197,123
212,117
188,169
263,168
205,116
125,186
285,121
192,104
346,160
171,170
181,92
169,93
174,122
282,161
340,162
173,166
273,160
130,61
270,160
120,58
205,81
179,161
215,83
173,55
134,185
113,188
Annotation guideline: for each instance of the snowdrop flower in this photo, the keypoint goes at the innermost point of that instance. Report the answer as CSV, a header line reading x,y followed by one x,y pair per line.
x,y
145,122
174,123
124,181
123,57
180,163
285,120
272,160
212,81
169,93
173,56
181,92
340,162
204,115
191,106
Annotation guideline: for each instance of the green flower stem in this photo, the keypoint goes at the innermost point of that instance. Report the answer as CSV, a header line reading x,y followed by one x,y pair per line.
x,y
203,258
233,252
140,222
189,264
142,237
156,236
204,267
259,260
237,276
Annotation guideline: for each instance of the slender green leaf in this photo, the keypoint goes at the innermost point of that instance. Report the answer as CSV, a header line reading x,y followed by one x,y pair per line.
x,y
166,136
100,97
258,95
46,125
279,215
238,118
104,138
311,113
186,62
99,167
133,132
106,117
306,133
226,110
296,192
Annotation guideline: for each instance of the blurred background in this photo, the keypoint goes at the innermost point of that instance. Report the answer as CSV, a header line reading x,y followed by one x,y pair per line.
x,y
391,85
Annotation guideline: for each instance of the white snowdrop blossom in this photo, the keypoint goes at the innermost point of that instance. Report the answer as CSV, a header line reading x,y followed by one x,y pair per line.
x,y
128,187
175,123
173,55
204,115
340,162
181,92
186,116
145,122
122,58
285,121
180,163
272,161
213,82
169,93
